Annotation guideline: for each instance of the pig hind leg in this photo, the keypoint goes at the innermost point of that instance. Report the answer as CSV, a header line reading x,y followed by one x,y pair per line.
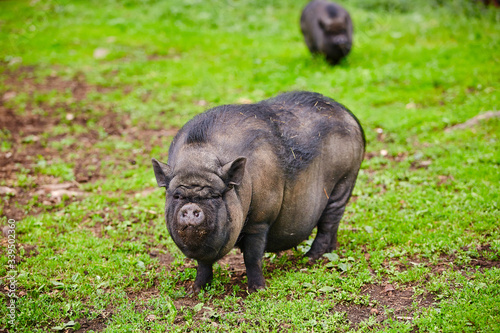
x,y
328,224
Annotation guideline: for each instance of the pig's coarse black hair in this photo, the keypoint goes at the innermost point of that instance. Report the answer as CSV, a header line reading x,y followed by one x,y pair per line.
x,y
279,126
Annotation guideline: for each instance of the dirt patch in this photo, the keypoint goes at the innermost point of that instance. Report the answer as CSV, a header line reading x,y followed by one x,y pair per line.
x,y
484,264
25,126
233,261
165,259
23,80
30,123
22,251
452,262
97,325
30,250
478,262
386,302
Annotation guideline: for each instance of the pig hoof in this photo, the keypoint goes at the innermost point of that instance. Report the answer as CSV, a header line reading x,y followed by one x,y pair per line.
x,y
252,289
195,289
313,256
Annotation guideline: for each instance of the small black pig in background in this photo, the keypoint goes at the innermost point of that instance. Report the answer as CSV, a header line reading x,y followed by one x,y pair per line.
x,y
261,177
327,29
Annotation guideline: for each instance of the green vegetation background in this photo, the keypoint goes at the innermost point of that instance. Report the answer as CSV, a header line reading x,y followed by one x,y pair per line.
x,y
425,197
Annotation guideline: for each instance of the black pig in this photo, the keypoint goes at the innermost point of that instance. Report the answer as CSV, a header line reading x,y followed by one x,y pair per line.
x,y
327,29
261,177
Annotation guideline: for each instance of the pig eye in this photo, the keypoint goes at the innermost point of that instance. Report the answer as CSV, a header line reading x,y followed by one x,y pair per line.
x,y
176,196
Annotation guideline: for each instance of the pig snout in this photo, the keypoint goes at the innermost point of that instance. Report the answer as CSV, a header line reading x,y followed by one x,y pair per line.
x,y
340,40
190,215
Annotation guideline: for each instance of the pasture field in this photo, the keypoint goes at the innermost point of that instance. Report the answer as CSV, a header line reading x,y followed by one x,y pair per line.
x,y
91,90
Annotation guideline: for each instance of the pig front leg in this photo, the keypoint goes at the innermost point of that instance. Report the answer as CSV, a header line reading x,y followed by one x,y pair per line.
x,y
204,275
253,246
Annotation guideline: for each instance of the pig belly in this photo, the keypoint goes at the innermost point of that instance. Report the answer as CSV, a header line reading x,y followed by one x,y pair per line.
x,y
301,210
280,239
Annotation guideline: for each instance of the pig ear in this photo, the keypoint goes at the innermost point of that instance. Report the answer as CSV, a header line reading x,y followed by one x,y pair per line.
x,y
232,172
324,23
162,172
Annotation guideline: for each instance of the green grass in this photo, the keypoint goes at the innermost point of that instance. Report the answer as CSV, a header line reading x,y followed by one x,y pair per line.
x,y
425,215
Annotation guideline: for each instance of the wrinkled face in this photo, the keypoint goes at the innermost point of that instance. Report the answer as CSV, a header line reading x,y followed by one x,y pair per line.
x,y
337,35
197,210
337,41
196,215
